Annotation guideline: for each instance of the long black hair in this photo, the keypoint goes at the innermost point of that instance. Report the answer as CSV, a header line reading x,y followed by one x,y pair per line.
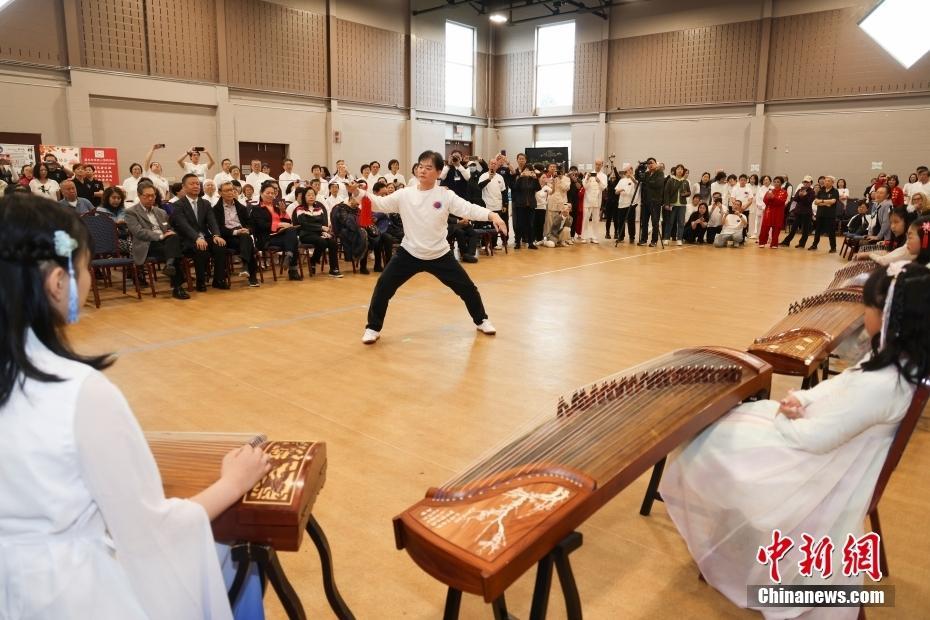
x,y
27,250
907,340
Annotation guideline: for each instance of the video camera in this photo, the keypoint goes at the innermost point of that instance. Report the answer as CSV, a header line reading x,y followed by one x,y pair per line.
x,y
641,170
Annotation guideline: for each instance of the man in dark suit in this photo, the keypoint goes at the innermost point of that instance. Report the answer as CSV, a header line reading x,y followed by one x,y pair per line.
x,y
233,220
193,219
152,237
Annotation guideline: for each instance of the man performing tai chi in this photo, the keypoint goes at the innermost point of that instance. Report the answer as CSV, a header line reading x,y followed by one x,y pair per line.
x,y
425,211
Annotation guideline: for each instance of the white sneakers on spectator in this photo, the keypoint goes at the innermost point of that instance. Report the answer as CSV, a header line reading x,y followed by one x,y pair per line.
x,y
593,240
370,336
548,243
485,327
679,242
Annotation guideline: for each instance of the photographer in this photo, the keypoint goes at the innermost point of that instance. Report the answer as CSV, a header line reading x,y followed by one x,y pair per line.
x,y
611,200
594,185
559,185
455,176
652,182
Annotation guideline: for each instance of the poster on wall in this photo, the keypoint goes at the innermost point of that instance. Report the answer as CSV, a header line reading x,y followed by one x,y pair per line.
x,y
548,155
66,155
103,159
16,156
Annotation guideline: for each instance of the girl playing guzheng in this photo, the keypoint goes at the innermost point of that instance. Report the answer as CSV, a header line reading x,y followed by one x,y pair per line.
x,y
85,528
807,464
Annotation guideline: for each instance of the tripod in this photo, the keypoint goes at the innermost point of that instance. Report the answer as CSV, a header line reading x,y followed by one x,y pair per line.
x,y
632,213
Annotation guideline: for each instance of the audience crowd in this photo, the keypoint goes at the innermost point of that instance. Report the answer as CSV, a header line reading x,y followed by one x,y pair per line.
x,y
260,218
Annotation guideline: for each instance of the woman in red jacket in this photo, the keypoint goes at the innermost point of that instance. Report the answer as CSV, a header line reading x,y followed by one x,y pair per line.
x,y
774,218
897,194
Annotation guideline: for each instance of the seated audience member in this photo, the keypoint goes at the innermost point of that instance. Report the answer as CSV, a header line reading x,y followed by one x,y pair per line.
x,y
696,226
806,465
210,193
87,530
193,219
858,226
273,229
354,238
715,217
288,176
561,230
333,198
153,237
248,195
464,234
131,183
734,225
25,176
43,185
380,241
312,221
903,243
113,205
773,217
71,199
920,203
225,173
392,176
233,220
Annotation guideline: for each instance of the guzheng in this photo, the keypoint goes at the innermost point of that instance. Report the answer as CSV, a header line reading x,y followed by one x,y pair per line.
x,y
484,528
800,342
275,511
853,274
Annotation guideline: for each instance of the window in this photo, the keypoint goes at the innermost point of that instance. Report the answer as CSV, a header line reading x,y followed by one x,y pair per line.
x,y
555,68
460,68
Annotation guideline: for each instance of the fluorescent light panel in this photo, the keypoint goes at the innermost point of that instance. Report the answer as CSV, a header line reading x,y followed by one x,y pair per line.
x,y
497,18
900,27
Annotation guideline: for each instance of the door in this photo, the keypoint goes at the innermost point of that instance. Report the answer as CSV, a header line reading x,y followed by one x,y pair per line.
x,y
271,154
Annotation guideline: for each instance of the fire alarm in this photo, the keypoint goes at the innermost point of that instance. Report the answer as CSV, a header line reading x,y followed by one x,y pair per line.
x,y
337,137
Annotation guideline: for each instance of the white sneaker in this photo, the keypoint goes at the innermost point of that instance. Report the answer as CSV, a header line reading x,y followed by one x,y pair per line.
x,y
549,244
484,328
679,242
593,240
371,336
243,274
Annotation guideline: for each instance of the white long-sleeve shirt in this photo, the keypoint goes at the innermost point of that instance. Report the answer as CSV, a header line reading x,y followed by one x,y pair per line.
x,y
426,217
594,187
493,193
462,170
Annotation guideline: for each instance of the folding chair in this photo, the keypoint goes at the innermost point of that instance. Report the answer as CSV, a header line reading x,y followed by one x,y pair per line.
x,y
107,255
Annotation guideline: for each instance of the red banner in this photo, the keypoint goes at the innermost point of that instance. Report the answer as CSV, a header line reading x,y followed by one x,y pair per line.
x,y
106,166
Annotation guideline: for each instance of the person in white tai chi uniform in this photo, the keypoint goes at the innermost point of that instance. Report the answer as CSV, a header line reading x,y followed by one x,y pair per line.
x,y
807,464
424,209
85,528
594,185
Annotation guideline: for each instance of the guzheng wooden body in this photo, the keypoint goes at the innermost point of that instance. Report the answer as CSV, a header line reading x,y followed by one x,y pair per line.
x,y
814,327
482,530
853,275
275,511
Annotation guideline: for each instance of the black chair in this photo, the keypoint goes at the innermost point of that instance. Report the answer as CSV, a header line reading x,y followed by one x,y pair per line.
x,y
107,255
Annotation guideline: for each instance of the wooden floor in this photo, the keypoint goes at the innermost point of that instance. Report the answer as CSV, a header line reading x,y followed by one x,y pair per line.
x,y
433,395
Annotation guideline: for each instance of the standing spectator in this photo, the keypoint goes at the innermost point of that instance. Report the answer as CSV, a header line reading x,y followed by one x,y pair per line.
x,y
455,176
71,200
702,188
493,189
744,192
594,185
721,186
95,186
844,196
626,216
674,200
574,196
56,171
922,185
525,186
558,196
131,183
755,222
651,194
542,207
256,178
773,219
42,185
153,172
803,213
225,173
826,202
611,201
193,219
190,162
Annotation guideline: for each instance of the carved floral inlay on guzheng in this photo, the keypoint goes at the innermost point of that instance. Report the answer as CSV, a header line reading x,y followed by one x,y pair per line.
x,y
484,528
280,484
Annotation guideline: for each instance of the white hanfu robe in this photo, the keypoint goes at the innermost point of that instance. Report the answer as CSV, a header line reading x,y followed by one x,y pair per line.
x,y
755,470
85,528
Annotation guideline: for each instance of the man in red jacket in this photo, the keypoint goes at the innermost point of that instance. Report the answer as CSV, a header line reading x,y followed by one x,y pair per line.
x,y
774,218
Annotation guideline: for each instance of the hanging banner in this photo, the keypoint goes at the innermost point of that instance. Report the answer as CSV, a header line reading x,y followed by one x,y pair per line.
x,y
18,155
66,155
103,159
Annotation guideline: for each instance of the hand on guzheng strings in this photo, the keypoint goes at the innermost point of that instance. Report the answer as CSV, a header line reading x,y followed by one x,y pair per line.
x,y
791,407
242,468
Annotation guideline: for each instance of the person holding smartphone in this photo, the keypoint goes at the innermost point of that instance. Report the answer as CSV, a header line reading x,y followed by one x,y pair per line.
x,y
190,162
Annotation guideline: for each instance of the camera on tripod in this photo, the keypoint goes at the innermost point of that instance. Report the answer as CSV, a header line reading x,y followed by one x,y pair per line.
x,y
641,170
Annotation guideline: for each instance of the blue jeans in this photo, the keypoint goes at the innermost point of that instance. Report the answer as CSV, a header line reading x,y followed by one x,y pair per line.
x,y
674,223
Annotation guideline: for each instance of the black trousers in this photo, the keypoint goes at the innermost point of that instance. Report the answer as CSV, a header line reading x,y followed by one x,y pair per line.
x,y
610,213
383,246
695,234
625,219
404,266
202,262
286,241
826,225
245,245
320,245
467,239
649,212
168,250
802,221
539,222
523,223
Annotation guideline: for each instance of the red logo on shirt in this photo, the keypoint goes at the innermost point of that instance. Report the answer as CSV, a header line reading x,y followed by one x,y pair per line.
x,y
437,205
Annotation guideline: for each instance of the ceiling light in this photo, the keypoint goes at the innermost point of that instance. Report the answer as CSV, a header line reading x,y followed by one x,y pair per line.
x,y
898,27
498,18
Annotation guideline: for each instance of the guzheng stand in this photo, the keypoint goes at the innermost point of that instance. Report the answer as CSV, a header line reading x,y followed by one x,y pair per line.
x,y
558,557
270,569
